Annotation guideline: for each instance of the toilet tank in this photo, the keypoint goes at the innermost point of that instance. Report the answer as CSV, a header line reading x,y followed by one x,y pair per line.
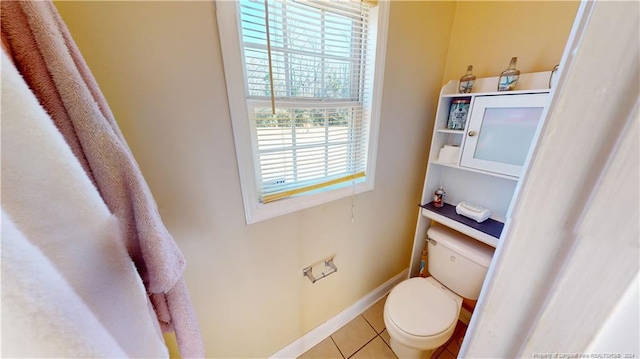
x,y
457,261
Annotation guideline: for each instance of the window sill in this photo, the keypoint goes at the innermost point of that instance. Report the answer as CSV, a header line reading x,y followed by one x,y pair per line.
x,y
257,212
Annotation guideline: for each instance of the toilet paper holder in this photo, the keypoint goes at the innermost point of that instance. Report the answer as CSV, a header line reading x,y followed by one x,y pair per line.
x,y
328,263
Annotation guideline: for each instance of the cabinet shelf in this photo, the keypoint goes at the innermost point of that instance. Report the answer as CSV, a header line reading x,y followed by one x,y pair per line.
x,y
495,93
493,174
446,130
487,232
528,83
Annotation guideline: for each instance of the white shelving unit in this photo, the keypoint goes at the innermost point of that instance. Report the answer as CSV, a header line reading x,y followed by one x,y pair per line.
x,y
487,188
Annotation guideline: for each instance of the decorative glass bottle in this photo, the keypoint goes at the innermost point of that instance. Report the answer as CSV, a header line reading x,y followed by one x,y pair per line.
x,y
438,197
466,81
509,77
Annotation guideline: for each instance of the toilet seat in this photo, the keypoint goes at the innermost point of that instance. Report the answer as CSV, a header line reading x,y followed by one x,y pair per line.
x,y
420,307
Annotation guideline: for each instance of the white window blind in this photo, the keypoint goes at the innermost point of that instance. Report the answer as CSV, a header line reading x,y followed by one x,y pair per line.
x,y
308,80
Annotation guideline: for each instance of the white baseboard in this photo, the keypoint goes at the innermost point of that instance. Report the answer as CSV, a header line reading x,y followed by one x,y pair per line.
x,y
324,330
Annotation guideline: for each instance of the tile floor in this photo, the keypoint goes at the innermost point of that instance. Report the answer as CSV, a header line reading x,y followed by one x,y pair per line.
x,y
366,337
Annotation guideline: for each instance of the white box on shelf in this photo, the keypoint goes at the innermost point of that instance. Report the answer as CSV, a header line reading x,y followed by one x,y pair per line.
x,y
449,154
475,212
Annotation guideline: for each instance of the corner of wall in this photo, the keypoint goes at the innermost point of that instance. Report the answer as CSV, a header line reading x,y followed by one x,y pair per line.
x,y
445,70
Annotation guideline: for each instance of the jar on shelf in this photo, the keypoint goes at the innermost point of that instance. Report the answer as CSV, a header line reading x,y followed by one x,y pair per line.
x,y
458,113
466,82
509,77
438,197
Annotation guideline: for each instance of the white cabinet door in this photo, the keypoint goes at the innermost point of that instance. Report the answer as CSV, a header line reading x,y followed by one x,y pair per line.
x,y
501,130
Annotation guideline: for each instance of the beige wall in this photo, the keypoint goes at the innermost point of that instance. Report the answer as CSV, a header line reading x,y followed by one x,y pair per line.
x,y
159,66
487,34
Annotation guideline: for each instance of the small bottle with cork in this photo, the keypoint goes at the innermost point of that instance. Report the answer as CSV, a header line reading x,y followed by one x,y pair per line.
x,y
466,81
438,197
509,77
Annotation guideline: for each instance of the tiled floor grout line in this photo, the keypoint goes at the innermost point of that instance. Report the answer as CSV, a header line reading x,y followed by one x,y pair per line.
x,y
365,344
387,344
366,320
377,335
337,347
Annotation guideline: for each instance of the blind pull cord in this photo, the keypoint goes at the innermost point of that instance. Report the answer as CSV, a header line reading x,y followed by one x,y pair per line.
x,y
266,20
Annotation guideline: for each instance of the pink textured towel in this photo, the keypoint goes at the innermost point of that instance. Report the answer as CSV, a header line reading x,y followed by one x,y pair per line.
x,y
49,60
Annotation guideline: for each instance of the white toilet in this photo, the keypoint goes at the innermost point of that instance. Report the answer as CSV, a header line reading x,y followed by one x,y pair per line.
x,y
421,313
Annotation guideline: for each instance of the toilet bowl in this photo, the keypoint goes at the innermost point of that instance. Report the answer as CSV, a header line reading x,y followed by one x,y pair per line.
x,y
420,315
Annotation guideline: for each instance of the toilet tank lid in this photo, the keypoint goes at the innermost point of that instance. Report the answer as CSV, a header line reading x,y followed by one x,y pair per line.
x,y
466,246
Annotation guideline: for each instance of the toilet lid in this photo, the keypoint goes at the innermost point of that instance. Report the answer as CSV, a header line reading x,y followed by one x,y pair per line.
x,y
420,308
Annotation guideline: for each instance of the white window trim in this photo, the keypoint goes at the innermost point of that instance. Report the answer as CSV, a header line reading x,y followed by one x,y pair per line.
x,y
229,34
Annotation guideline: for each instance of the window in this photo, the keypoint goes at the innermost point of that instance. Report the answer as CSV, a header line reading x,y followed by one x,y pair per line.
x,y
304,83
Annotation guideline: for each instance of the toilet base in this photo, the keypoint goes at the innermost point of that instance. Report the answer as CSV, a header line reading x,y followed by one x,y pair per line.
x,y
404,352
